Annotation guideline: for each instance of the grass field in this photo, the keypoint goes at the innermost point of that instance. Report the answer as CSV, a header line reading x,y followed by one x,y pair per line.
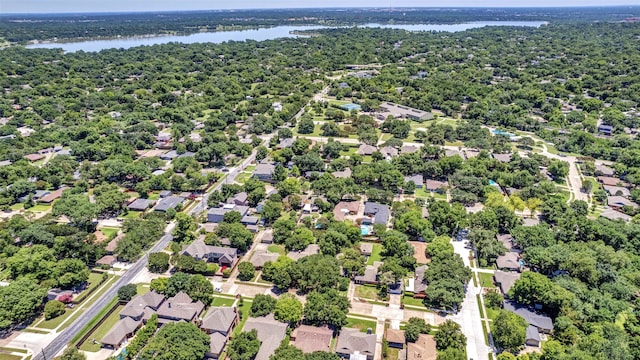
x,y
375,254
392,354
276,249
9,357
250,168
40,208
109,232
366,292
486,280
133,215
244,315
220,301
101,331
408,300
154,196
361,324
242,177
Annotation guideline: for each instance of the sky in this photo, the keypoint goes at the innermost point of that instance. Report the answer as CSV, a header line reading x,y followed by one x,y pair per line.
x,y
66,6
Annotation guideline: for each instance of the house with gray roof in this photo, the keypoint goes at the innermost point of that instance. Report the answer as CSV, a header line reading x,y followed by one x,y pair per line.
x,y
140,204
618,202
240,199
532,336
379,213
505,158
216,215
418,285
542,322
261,257
311,249
509,261
365,149
353,342
120,332
140,307
370,275
617,190
220,320
264,172
389,152
270,333
417,179
346,173
179,308
505,280
170,202
223,256
408,149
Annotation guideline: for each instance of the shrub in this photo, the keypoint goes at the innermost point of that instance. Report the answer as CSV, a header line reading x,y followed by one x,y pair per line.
x,y
53,309
246,271
127,292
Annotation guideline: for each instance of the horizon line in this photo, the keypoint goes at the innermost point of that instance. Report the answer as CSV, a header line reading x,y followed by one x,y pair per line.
x,y
315,8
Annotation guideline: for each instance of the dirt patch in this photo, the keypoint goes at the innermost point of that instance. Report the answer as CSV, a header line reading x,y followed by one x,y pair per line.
x,y
419,251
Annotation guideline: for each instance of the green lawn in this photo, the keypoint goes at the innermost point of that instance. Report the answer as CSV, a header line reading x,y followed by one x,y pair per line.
x,y
109,232
492,313
366,292
250,168
7,349
361,324
486,280
220,301
142,288
101,331
40,208
154,196
242,177
392,354
244,315
17,206
409,300
9,357
375,254
133,215
276,249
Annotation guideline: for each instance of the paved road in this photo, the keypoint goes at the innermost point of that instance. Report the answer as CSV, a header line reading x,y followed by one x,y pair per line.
x,y
62,339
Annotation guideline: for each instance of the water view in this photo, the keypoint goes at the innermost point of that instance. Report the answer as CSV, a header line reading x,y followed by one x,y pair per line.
x,y
253,34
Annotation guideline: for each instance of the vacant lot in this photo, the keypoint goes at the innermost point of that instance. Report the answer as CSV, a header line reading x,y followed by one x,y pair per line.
x,y
419,249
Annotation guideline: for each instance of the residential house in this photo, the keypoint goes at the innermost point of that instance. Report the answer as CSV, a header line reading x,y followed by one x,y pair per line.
x,y
52,196
378,213
264,172
408,149
538,323
389,152
423,349
170,202
240,199
345,208
219,323
270,333
395,338
164,193
311,249
34,157
224,256
124,329
267,237
604,170
141,307
365,149
505,158
532,337
180,308
286,143
619,202
417,285
370,275
113,244
615,215
312,338
509,261
417,179
507,241
611,181
261,257
107,260
249,220
366,249
436,186
140,204
617,190
505,280
450,153
344,174
353,342
605,129
216,215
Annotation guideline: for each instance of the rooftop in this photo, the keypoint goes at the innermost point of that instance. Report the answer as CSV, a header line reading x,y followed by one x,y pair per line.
x,y
270,333
352,340
312,338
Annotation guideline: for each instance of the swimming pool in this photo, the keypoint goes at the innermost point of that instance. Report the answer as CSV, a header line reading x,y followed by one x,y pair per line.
x,y
493,183
365,230
502,132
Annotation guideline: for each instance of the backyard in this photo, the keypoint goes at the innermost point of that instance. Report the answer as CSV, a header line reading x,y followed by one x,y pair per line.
x,y
376,254
276,249
361,324
92,343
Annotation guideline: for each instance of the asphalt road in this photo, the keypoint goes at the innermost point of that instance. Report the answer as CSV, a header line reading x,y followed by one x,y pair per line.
x,y
59,342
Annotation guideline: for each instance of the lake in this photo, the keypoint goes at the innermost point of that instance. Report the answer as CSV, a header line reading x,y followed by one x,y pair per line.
x,y
253,34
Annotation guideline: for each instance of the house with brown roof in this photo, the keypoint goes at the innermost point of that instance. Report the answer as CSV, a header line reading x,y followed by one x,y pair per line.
x,y
180,308
395,338
353,342
436,186
344,208
34,157
344,174
505,158
107,260
261,257
611,181
509,261
418,285
113,244
366,249
267,237
141,307
365,149
312,338
423,349
270,333
54,195
389,152
120,332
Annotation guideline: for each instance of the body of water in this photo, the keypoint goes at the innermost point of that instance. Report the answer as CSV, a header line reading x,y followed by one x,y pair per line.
x,y
254,34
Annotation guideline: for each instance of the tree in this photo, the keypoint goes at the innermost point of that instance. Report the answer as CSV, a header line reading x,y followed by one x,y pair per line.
x,y
77,208
321,355
326,308
263,305
127,292
158,262
71,353
306,125
185,227
288,309
53,309
299,240
19,301
177,341
531,288
159,285
439,248
246,271
509,330
245,346
200,288
415,326
287,352
271,211
493,299
450,335
239,236
232,217
176,283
